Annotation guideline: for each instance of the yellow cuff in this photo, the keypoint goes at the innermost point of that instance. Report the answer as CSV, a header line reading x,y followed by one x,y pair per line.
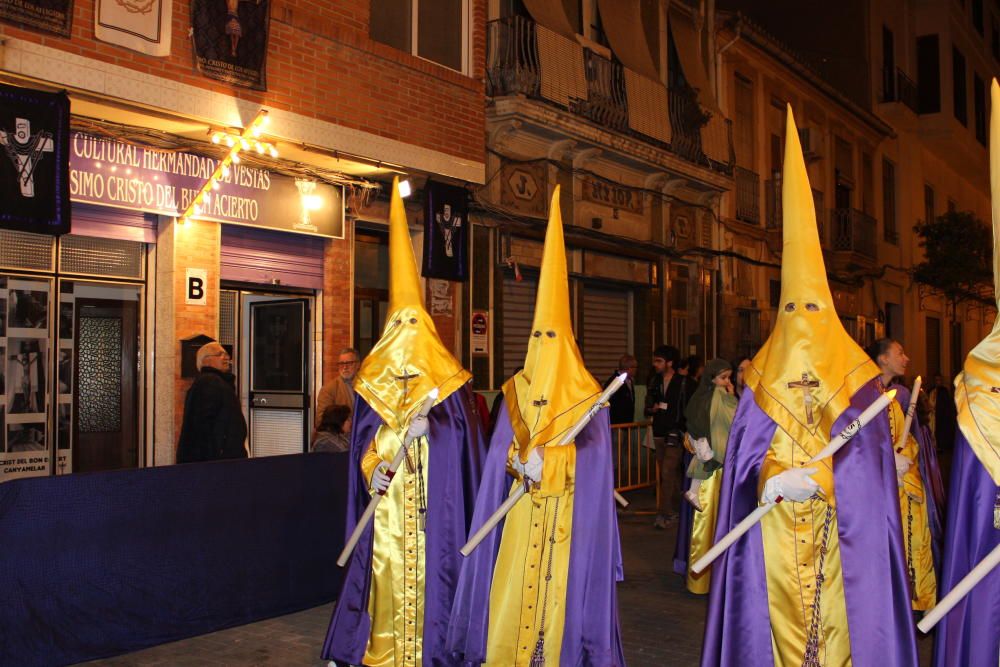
x,y
558,466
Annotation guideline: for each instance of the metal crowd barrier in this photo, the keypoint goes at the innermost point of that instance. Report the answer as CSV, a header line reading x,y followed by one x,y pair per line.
x,y
634,455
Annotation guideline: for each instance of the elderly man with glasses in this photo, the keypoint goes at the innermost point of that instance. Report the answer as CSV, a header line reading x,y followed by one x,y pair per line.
x,y
340,390
214,427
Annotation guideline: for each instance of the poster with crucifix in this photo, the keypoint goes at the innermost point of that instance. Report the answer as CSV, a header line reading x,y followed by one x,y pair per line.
x,y
446,229
230,40
34,161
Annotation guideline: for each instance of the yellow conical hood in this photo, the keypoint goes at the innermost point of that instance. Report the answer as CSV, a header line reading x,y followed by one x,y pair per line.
x,y
554,389
409,359
805,374
404,280
977,388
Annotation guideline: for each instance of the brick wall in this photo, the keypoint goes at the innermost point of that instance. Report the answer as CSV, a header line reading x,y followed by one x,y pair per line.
x,y
322,64
338,305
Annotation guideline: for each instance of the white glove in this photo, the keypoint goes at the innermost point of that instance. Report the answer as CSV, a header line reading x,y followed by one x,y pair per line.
x,y
418,427
381,478
903,464
702,449
532,468
794,484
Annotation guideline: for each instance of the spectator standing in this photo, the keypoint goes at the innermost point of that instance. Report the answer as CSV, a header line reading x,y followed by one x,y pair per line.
x,y
213,426
666,398
334,431
622,402
340,390
945,415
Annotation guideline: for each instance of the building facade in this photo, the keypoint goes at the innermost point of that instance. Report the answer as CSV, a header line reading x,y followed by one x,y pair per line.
x,y
611,102
884,148
107,316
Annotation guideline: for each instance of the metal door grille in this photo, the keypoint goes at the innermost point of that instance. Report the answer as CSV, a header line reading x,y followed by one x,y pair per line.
x,y
20,250
100,257
227,316
274,431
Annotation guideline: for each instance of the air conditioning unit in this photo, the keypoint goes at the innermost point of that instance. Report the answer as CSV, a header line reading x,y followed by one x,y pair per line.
x,y
810,140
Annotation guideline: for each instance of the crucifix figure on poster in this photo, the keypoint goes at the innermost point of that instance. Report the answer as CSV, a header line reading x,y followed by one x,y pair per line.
x,y
25,150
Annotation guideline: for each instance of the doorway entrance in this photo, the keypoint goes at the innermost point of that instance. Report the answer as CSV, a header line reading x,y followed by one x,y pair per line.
x,y
371,288
97,375
272,351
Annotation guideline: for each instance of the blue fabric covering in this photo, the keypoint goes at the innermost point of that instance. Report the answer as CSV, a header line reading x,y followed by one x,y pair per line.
x,y
94,565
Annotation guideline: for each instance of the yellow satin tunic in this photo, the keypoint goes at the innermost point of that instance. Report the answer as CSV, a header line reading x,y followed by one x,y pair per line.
x,y
518,593
916,525
396,600
703,532
792,534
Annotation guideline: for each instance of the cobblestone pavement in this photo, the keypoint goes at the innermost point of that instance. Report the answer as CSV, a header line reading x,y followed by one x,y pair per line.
x,y
662,623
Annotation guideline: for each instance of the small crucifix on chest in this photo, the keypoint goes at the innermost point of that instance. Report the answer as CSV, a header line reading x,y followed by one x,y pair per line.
x,y
405,379
540,402
805,384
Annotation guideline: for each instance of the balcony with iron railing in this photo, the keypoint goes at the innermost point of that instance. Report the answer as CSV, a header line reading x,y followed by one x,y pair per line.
x,y
773,221
897,87
747,195
526,59
853,231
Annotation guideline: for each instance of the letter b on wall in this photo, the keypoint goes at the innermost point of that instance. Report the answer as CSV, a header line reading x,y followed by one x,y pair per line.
x,y
196,287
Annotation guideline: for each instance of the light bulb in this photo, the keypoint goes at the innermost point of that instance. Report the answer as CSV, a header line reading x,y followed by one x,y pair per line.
x,y
236,158
404,189
229,141
216,138
274,152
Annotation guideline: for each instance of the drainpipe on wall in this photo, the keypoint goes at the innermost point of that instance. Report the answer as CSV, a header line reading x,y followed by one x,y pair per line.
x,y
718,60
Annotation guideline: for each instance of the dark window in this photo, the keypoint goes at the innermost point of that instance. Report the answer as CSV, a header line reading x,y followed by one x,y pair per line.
x,y
867,183
959,92
777,156
888,66
995,41
977,15
932,336
889,201
439,31
775,290
391,23
928,203
928,74
957,348
979,107
894,321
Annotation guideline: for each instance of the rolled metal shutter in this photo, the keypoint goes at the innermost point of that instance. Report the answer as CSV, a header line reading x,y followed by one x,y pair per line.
x,y
268,257
518,313
607,329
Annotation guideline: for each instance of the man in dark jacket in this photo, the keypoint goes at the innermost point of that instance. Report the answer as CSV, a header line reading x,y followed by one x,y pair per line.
x,y
666,397
622,402
213,426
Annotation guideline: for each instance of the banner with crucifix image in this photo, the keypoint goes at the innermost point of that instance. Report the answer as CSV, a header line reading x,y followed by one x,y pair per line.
x,y
446,229
230,40
34,161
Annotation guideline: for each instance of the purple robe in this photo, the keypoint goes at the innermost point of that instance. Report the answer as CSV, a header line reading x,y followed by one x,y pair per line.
x,y
969,636
930,473
591,634
455,460
685,522
876,588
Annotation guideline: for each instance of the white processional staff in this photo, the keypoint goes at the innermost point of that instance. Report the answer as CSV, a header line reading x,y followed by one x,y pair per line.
x,y
968,582
910,409
835,444
521,489
397,460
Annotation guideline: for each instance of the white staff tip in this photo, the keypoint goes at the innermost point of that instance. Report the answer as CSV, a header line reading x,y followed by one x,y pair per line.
x,y
434,393
891,393
623,376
